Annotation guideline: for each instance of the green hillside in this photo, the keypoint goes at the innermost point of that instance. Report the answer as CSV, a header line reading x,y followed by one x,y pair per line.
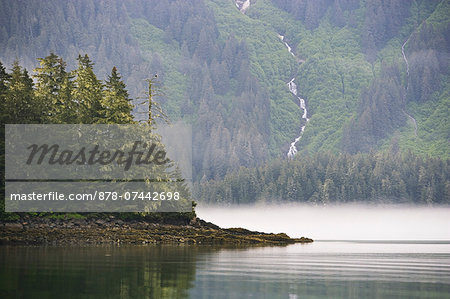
x,y
226,71
336,68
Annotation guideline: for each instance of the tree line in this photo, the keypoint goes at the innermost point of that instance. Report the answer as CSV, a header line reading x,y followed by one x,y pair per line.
x,y
227,77
55,95
389,176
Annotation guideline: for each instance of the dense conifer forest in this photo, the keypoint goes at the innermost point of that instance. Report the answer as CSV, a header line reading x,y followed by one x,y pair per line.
x,y
373,75
385,177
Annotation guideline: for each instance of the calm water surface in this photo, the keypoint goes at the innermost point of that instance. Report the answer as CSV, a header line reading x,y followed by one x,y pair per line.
x,y
338,269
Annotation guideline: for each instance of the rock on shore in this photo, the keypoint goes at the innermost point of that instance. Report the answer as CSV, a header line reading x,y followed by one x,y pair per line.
x,y
40,231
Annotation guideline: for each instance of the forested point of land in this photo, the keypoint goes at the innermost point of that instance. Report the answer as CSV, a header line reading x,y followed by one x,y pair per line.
x,y
374,76
55,95
226,72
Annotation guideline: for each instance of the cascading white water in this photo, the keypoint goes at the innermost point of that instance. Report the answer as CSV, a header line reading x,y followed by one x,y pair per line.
x,y
404,57
407,83
293,89
281,37
287,45
242,5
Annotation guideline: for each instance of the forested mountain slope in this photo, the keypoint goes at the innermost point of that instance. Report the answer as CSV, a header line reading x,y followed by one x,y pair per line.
x,y
225,68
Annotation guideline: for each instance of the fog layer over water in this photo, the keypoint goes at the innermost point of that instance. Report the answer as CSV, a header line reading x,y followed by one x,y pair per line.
x,y
336,222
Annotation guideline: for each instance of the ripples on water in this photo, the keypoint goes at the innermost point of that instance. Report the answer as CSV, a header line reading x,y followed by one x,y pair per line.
x,y
318,270
284,264
323,269
333,270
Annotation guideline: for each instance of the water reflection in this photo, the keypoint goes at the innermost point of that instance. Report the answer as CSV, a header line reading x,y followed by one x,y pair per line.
x,y
327,270
318,270
97,272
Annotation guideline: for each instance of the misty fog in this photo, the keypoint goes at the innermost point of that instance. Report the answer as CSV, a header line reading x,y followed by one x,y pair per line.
x,y
336,222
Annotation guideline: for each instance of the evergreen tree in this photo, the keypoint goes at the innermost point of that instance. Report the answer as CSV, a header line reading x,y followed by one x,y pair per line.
x,y
326,178
116,104
4,78
88,92
20,105
53,88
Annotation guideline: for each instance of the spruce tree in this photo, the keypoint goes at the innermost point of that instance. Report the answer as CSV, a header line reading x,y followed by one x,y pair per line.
x,y
20,105
53,88
88,92
116,104
4,78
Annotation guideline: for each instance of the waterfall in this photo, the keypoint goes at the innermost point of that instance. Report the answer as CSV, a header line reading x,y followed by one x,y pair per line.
x,y
407,83
281,37
286,44
242,5
293,89
406,60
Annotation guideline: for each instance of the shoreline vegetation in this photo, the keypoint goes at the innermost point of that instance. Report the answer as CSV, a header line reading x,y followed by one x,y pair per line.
x,y
110,229
58,96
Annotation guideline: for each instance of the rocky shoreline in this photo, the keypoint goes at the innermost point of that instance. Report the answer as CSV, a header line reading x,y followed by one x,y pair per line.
x,y
47,231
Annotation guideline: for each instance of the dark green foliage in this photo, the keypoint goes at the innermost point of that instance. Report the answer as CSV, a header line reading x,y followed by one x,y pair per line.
x,y
54,87
59,97
431,32
116,105
229,134
380,112
428,51
30,29
4,79
207,80
20,105
226,72
326,178
425,70
88,92
308,11
383,20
